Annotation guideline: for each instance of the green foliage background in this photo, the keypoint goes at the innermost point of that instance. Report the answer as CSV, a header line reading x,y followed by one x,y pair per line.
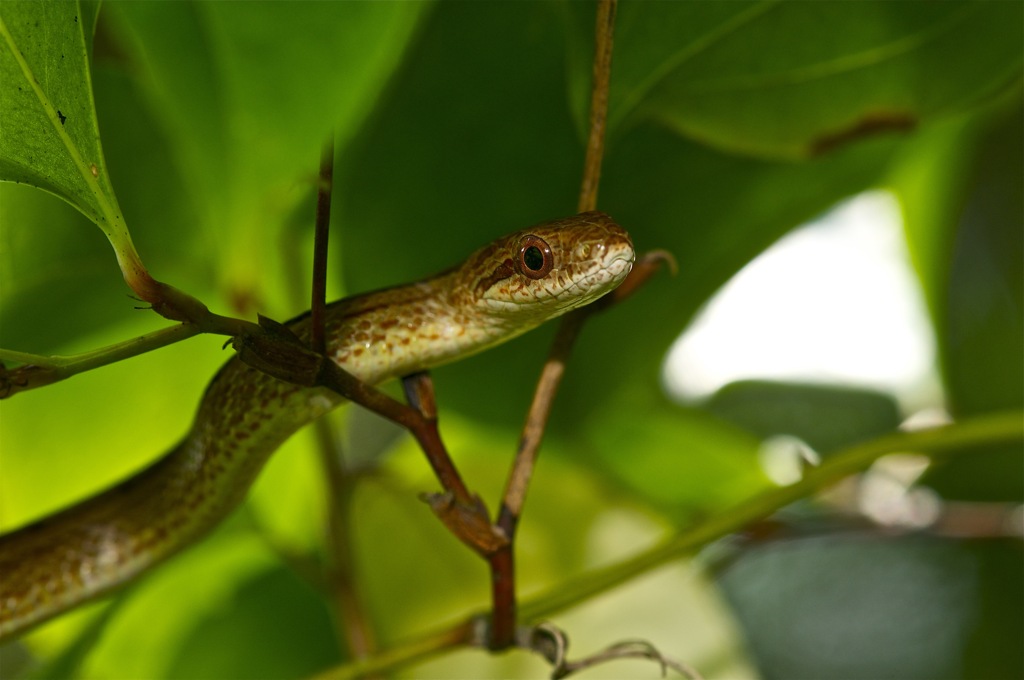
x,y
730,124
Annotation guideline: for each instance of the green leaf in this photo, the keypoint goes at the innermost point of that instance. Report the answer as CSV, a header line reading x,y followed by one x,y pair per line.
x,y
50,259
248,106
282,623
791,80
827,418
682,460
49,136
713,210
969,248
856,607
461,127
984,360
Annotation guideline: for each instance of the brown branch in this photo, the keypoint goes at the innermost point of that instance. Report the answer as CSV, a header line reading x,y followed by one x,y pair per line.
x,y
356,630
551,377
318,307
337,576
502,563
463,513
352,620
603,35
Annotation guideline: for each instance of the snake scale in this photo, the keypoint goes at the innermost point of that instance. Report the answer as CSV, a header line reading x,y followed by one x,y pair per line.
x,y
502,290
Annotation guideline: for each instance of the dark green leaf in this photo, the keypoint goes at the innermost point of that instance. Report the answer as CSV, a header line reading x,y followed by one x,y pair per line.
x,y
826,418
248,106
857,607
793,80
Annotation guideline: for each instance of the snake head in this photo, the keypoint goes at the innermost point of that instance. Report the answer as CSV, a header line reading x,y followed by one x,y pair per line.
x,y
546,270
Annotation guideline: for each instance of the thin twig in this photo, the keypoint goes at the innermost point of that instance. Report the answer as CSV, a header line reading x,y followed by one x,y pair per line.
x,y
553,644
536,423
423,429
353,625
603,41
352,621
463,513
551,377
572,324
968,437
37,370
318,307
504,614
503,618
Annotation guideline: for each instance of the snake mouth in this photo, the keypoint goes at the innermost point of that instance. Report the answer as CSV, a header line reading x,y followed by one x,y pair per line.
x,y
614,266
620,253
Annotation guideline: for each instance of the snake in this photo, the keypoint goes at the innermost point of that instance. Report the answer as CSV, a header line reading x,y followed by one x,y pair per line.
x,y
502,290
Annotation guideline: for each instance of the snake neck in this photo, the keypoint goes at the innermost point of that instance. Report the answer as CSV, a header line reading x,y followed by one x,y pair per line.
x,y
94,547
504,289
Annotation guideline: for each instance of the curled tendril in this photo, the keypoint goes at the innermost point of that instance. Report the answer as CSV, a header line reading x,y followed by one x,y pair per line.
x,y
552,643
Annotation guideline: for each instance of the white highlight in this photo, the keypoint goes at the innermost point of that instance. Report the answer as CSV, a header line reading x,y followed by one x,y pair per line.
x,y
783,458
835,301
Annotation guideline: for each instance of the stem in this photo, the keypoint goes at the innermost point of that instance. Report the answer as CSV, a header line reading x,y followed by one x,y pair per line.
x,y
318,307
551,377
354,627
414,651
38,370
422,428
942,441
536,423
503,597
603,34
962,438
503,617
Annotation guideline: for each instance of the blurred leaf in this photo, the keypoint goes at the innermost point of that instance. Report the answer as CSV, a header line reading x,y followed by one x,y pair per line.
x,y
984,330
282,625
49,261
999,619
163,612
930,176
969,254
247,121
681,459
826,418
796,79
470,168
857,607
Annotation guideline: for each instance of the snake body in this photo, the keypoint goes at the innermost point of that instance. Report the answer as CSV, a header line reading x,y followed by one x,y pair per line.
x,y
502,290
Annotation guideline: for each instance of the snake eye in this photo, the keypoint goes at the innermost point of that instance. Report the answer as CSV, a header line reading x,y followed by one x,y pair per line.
x,y
535,258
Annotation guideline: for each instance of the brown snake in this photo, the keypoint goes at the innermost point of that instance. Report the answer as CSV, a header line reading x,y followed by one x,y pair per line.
x,y
499,292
